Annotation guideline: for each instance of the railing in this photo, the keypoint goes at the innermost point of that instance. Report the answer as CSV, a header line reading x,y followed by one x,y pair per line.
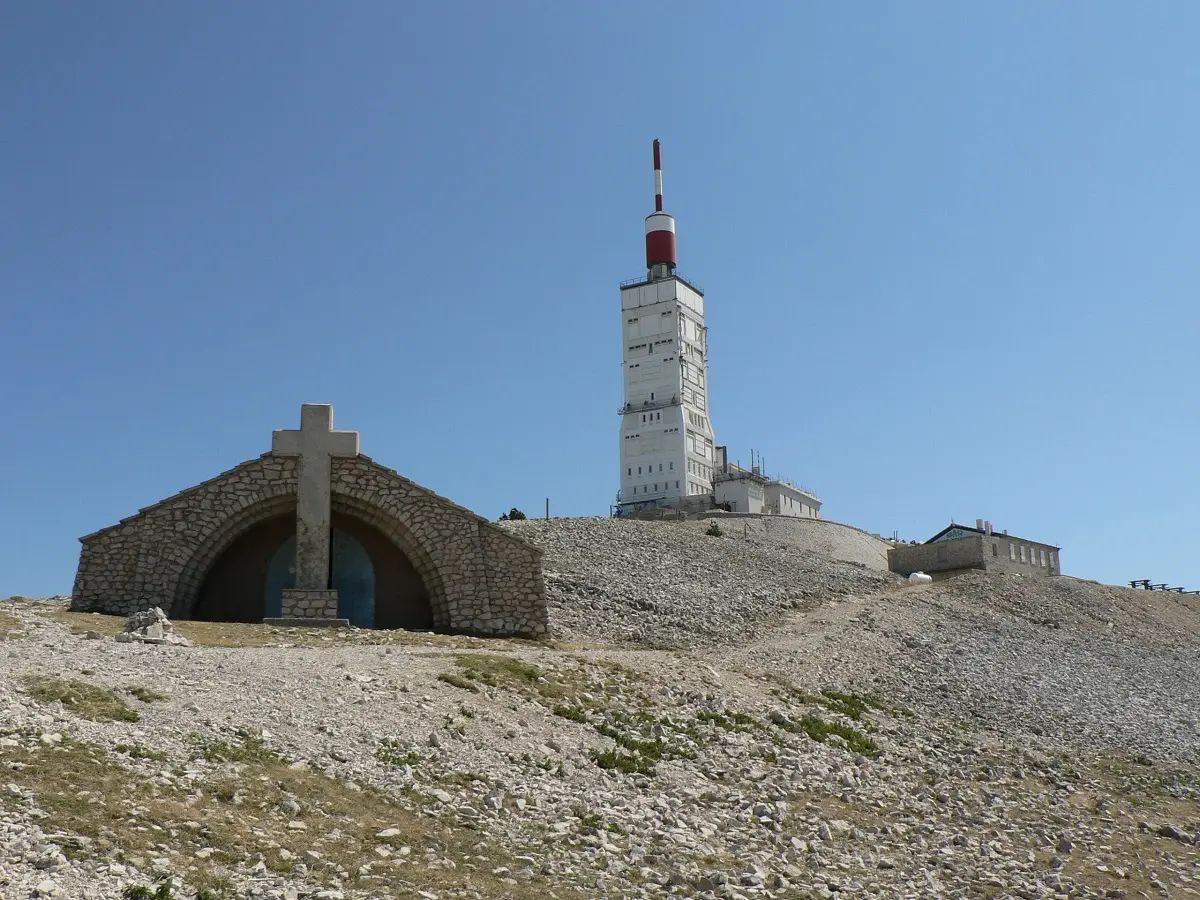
x,y
646,279
648,406
1144,584
799,488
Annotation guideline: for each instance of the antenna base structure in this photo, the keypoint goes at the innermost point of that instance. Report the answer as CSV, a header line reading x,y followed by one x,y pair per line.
x,y
660,229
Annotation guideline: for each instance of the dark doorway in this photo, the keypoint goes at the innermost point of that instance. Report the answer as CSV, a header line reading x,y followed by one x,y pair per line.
x,y
232,590
235,587
401,598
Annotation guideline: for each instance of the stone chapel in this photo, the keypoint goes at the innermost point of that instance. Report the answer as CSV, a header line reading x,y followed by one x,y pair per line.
x,y
314,532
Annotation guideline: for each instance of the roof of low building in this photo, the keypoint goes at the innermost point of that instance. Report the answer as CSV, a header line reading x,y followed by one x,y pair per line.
x,y
954,526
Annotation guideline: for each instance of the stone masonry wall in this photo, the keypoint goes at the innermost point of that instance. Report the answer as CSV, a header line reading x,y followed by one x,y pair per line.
x,y
299,604
484,581
481,580
997,560
965,553
151,558
975,552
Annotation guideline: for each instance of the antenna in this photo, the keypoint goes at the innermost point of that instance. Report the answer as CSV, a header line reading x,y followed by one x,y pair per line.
x,y
660,229
658,207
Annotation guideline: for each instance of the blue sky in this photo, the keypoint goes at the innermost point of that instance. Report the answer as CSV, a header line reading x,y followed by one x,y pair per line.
x,y
948,251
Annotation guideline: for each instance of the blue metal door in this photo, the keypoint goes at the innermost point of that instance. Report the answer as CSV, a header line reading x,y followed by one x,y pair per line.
x,y
281,575
354,580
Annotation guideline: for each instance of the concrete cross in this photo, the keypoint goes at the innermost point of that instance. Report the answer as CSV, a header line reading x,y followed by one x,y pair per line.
x,y
316,443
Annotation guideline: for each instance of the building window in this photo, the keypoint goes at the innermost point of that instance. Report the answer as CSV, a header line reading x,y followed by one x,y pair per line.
x,y
671,465
1043,559
677,485
652,395
1012,552
629,471
660,467
1022,553
995,550
640,472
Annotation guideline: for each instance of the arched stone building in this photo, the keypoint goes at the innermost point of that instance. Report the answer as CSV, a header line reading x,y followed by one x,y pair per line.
x,y
306,534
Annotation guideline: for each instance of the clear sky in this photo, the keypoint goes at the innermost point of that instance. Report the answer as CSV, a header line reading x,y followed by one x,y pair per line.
x,y
949,251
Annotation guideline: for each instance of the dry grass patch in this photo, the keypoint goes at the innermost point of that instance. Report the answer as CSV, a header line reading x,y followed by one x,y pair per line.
x,y
499,670
145,694
243,812
90,701
247,634
10,626
567,681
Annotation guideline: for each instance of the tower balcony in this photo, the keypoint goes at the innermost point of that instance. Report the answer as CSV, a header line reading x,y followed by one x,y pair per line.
x,y
646,279
648,406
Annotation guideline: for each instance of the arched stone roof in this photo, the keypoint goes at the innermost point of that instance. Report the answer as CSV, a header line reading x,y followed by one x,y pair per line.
x,y
482,580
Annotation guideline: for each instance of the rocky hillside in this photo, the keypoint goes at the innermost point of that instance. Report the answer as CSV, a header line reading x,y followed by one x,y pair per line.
x,y
673,584
727,716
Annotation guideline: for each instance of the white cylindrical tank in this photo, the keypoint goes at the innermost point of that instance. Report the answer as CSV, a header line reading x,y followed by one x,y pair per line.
x,y
920,578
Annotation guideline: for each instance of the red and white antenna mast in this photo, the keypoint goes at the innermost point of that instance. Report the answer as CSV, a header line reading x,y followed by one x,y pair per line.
x,y
660,229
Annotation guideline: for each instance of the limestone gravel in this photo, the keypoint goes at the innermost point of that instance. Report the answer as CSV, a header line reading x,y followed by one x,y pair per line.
x,y
800,727
670,584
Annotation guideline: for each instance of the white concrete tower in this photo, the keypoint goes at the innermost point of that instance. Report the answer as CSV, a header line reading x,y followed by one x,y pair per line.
x,y
666,434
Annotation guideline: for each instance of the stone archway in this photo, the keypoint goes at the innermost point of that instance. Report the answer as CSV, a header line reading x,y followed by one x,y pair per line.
x,y
232,588
232,585
478,578
399,535
191,576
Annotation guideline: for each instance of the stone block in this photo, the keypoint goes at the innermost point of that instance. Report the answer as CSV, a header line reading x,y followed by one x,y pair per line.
x,y
301,604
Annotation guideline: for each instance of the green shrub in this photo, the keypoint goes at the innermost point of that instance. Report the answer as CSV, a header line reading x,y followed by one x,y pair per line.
x,y
714,530
574,713
728,720
141,892
247,747
628,763
394,753
819,730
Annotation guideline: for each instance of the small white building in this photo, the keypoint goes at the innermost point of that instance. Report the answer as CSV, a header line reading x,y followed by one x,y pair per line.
x,y
786,499
739,490
749,491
